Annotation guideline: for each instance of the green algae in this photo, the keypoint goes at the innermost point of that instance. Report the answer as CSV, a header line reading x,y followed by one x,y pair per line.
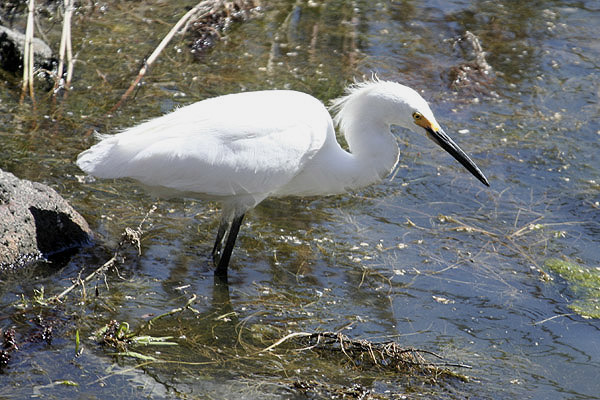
x,y
583,282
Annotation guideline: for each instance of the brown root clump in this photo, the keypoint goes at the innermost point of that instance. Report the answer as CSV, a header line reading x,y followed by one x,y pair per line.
x,y
388,355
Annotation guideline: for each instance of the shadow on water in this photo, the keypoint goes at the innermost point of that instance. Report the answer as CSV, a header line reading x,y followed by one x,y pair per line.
x,y
493,278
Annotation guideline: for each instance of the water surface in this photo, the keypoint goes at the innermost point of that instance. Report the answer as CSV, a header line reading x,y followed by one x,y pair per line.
x,y
430,258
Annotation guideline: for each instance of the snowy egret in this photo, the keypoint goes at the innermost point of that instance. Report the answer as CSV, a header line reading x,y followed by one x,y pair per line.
x,y
242,148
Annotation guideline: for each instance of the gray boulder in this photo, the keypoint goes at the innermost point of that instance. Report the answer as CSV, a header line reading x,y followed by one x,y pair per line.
x,y
35,221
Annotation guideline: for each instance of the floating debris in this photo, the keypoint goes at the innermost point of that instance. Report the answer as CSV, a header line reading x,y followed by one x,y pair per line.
x,y
476,75
206,28
317,390
9,344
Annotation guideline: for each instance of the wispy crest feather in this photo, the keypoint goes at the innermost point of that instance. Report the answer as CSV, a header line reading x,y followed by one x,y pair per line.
x,y
338,105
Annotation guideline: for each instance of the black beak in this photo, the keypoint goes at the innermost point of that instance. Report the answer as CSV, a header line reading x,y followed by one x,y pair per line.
x,y
448,144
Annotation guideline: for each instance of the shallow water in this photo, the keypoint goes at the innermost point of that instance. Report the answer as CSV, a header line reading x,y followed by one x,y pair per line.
x,y
430,258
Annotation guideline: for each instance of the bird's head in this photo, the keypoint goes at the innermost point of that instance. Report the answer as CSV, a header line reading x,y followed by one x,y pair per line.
x,y
403,106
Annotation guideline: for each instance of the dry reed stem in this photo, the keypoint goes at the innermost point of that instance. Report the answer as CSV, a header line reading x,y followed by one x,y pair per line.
x,y
68,15
204,7
65,48
28,54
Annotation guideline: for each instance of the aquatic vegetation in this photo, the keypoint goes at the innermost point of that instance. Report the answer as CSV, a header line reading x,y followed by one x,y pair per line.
x,y
584,284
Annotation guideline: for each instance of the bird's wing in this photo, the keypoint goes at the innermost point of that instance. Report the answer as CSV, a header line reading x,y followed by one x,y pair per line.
x,y
217,167
254,148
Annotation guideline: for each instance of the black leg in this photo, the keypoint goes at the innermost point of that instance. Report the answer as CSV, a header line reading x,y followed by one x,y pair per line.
x,y
216,251
221,269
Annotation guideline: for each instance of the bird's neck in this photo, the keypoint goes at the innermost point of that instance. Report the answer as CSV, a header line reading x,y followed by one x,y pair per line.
x,y
373,155
373,148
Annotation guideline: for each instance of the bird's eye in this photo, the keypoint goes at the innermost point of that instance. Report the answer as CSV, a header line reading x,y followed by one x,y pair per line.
x,y
417,116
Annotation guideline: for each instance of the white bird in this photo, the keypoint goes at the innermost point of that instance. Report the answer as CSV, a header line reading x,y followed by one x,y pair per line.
x,y
242,148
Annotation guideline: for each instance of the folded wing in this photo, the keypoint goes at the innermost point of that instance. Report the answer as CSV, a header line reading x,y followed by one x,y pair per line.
x,y
248,143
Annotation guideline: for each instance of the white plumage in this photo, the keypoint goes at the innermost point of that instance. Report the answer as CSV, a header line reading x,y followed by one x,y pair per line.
x,y
241,148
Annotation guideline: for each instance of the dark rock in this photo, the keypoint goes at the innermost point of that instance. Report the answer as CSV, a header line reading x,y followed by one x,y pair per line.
x,y
35,221
12,44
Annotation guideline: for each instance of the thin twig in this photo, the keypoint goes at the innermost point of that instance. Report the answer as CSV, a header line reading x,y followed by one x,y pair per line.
x,y
88,278
528,226
551,318
132,238
286,338
187,306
